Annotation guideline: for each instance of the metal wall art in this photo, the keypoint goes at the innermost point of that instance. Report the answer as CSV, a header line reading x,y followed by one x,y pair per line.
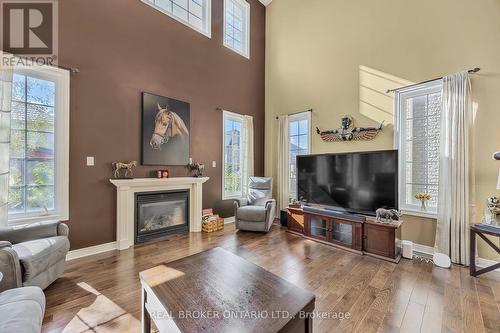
x,y
349,133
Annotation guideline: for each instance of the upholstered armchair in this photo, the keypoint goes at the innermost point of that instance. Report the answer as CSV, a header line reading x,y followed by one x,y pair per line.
x,y
33,255
257,211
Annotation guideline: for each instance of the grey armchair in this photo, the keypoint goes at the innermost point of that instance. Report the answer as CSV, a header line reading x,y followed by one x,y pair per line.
x,y
257,211
33,255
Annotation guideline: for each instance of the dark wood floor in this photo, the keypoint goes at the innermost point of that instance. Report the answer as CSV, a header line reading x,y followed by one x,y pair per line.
x,y
102,293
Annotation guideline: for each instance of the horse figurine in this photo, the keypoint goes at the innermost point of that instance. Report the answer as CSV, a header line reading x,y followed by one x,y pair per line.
x,y
387,215
128,167
168,124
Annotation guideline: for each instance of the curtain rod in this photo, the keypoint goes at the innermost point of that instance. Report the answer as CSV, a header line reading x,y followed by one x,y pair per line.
x,y
291,114
470,71
224,110
70,69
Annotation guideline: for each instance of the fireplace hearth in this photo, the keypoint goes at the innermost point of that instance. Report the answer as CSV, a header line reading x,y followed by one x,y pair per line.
x,y
160,214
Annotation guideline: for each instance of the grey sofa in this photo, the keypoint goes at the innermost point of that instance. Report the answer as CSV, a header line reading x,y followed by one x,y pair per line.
x,y
22,310
257,211
33,255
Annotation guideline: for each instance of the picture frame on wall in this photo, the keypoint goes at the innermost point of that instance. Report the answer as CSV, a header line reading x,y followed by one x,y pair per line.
x,y
165,130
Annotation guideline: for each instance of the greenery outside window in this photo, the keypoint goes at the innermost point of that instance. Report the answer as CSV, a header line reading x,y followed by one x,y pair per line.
x,y
38,183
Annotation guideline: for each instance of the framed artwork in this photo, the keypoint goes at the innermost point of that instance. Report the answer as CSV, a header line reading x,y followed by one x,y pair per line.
x,y
165,130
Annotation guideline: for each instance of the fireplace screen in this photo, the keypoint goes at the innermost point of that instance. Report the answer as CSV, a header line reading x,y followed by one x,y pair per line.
x,y
161,214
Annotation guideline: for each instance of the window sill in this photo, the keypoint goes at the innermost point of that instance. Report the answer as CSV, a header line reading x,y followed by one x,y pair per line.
x,y
35,219
428,215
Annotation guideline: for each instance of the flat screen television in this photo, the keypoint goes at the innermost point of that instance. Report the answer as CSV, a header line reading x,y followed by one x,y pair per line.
x,y
357,183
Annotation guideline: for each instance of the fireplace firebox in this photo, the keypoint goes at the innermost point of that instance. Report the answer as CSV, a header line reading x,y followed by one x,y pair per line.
x,y
159,214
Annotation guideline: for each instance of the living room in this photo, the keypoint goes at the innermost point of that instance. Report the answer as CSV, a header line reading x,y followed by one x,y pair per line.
x,y
249,166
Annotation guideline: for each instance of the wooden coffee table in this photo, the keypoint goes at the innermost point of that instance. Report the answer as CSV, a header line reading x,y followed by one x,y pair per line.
x,y
217,291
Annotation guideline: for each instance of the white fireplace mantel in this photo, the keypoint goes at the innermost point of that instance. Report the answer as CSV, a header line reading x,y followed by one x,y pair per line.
x,y
125,202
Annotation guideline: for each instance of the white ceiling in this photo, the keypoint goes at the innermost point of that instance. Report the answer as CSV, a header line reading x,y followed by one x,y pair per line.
x,y
266,2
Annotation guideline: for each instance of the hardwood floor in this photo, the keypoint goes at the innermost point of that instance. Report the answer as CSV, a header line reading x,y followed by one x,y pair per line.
x,y
102,293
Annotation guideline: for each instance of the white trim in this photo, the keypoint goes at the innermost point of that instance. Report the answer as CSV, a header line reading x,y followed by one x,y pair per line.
x,y
306,115
246,6
236,117
125,199
207,10
229,220
301,116
428,252
428,215
482,262
61,78
266,2
90,251
401,96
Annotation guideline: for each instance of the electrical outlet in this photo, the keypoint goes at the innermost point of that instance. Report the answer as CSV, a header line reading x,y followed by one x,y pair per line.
x,y
214,164
90,161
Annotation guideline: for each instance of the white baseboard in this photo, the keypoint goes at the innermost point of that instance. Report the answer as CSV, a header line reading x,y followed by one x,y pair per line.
x,y
229,220
428,252
88,251
481,262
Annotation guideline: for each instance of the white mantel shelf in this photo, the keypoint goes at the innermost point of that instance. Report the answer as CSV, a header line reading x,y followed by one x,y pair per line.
x,y
125,202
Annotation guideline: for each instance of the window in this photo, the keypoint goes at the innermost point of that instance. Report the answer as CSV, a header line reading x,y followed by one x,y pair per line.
x,y
237,26
195,14
419,119
298,132
38,184
237,166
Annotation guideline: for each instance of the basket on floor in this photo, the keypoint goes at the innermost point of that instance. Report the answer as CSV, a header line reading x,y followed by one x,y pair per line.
x,y
214,225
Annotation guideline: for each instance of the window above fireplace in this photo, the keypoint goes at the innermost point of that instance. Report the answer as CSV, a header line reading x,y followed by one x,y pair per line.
x,y
196,14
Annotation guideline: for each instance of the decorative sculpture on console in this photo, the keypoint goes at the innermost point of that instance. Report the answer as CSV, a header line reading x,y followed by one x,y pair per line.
x,y
196,169
128,167
387,215
348,133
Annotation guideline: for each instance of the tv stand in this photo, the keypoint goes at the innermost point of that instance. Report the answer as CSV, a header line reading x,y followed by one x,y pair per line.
x,y
330,211
356,233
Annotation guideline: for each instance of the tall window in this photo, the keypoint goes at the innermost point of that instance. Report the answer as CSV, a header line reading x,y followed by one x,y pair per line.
x,y
299,133
238,154
237,26
38,184
419,112
195,14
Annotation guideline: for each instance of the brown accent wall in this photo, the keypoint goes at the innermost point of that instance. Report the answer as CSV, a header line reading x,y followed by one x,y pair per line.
x,y
124,47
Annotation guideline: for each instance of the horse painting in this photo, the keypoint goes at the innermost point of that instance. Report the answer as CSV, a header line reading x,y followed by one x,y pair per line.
x,y
167,125
165,134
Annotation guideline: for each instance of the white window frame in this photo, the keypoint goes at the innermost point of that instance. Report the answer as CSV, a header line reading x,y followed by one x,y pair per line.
x,y
293,118
61,146
400,142
235,117
246,29
207,13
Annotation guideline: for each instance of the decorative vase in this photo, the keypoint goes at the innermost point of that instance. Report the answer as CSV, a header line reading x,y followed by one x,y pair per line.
x,y
424,205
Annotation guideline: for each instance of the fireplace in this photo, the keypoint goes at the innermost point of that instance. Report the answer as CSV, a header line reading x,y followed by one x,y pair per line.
x,y
159,214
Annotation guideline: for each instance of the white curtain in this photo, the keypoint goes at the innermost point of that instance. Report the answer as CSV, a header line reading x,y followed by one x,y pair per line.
x,y
248,152
5,96
283,163
456,177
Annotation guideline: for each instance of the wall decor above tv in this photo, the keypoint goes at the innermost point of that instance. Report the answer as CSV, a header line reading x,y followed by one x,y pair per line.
x,y
346,132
